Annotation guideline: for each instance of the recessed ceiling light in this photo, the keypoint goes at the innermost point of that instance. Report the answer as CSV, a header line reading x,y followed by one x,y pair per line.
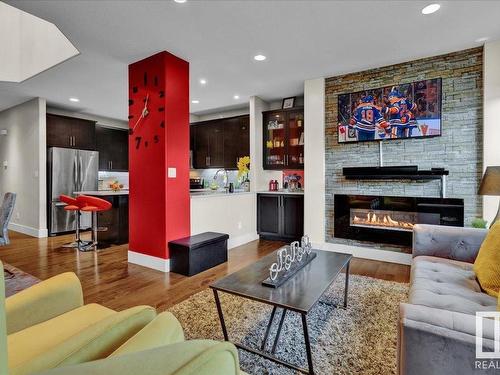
x,y
180,1
431,8
236,97
74,100
203,81
259,57
482,40
195,101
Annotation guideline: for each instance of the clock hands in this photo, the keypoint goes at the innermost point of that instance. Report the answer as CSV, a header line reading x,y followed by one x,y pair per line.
x,y
144,113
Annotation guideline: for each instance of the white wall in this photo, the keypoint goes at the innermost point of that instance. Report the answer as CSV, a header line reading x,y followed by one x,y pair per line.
x,y
314,159
234,214
104,121
24,151
491,151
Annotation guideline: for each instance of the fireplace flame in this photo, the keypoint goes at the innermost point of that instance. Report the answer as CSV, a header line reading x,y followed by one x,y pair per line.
x,y
381,220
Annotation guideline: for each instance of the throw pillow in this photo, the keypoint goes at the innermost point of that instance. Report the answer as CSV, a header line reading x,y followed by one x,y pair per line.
x,y
487,264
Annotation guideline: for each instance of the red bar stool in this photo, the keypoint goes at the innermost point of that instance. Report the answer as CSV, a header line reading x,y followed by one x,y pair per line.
x,y
93,205
73,205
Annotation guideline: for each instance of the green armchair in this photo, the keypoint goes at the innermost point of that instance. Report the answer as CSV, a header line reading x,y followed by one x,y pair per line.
x,y
46,329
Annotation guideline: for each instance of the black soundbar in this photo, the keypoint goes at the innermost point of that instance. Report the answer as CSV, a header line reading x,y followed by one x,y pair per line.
x,y
393,172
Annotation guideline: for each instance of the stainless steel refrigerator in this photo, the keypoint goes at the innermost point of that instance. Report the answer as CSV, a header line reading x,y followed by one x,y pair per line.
x,y
68,171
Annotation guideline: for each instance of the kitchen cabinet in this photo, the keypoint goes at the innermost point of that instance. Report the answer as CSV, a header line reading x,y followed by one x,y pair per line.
x,y
115,220
70,132
236,140
112,145
283,139
280,216
219,143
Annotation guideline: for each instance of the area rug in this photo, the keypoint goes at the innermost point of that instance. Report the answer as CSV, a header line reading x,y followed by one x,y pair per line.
x,y
361,339
17,280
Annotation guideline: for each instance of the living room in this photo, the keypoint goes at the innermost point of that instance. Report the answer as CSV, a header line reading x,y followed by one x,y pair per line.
x,y
280,207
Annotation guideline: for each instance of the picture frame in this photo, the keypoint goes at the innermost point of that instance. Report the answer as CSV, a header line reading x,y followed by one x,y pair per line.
x,y
288,102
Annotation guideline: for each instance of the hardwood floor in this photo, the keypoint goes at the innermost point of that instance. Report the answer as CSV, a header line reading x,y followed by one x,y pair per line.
x,y
107,278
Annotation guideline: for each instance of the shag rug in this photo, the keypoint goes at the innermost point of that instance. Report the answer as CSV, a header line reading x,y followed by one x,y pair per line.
x,y
17,280
361,339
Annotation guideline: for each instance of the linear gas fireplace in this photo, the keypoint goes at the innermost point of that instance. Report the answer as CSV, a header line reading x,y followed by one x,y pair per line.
x,y
390,220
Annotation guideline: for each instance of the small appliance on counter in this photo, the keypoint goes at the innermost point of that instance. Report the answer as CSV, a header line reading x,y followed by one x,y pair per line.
x,y
196,183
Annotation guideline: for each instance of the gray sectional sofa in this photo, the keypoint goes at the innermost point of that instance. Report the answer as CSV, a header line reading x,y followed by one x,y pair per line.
x,y
437,328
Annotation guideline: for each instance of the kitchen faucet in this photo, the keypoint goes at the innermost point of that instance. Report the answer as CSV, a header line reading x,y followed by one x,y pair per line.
x,y
226,178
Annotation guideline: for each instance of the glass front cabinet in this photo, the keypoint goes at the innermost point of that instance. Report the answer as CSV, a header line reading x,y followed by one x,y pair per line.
x,y
284,138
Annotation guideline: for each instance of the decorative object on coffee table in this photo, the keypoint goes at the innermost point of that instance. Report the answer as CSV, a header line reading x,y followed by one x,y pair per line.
x,y
299,294
490,185
290,260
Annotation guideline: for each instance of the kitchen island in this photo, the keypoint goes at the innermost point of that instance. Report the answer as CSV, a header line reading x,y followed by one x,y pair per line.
x,y
115,220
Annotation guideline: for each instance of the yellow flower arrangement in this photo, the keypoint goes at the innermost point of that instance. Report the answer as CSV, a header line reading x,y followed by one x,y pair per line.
x,y
243,166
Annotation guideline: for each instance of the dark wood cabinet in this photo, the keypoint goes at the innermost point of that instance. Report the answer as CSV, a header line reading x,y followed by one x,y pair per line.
x,y
112,145
219,143
70,132
283,139
280,216
236,140
114,220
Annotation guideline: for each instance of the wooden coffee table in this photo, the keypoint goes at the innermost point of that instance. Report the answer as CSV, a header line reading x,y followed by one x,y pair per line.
x,y
299,294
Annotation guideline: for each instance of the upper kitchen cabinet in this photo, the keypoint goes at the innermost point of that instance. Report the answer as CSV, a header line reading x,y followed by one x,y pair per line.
x,y
112,145
283,138
236,140
208,147
219,143
70,132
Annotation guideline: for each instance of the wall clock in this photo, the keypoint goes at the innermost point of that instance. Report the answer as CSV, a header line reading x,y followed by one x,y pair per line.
x,y
146,109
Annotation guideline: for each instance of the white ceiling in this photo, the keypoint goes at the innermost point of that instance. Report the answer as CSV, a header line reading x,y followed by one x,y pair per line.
x,y
302,39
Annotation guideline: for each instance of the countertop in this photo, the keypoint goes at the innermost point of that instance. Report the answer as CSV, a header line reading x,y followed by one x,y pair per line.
x,y
101,193
194,194
281,191
217,193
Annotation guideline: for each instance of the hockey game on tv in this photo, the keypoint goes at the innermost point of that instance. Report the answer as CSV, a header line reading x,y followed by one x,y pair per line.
x,y
409,110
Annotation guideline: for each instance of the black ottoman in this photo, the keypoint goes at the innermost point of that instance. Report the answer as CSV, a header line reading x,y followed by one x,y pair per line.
x,y
195,254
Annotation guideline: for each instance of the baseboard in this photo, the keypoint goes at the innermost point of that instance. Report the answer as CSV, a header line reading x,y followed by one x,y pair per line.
x,y
366,252
149,261
241,240
30,231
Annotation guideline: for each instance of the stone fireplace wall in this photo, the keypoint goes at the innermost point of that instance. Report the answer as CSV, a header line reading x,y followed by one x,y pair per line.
x,y
459,149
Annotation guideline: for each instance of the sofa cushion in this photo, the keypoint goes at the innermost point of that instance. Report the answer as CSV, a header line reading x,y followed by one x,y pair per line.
x,y
487,264
42,339
447,284
85,334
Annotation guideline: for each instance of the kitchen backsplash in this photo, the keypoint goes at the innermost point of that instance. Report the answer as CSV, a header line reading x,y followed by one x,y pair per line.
x,y
106,178
208,175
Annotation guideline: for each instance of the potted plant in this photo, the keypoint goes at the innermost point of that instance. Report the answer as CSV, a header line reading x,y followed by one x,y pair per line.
x,y
243,170
479,223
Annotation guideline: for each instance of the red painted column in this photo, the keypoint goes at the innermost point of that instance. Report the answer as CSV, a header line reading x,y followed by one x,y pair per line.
x,y
159,201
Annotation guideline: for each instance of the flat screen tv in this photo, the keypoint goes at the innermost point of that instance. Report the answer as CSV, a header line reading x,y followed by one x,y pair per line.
x,y
409,110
